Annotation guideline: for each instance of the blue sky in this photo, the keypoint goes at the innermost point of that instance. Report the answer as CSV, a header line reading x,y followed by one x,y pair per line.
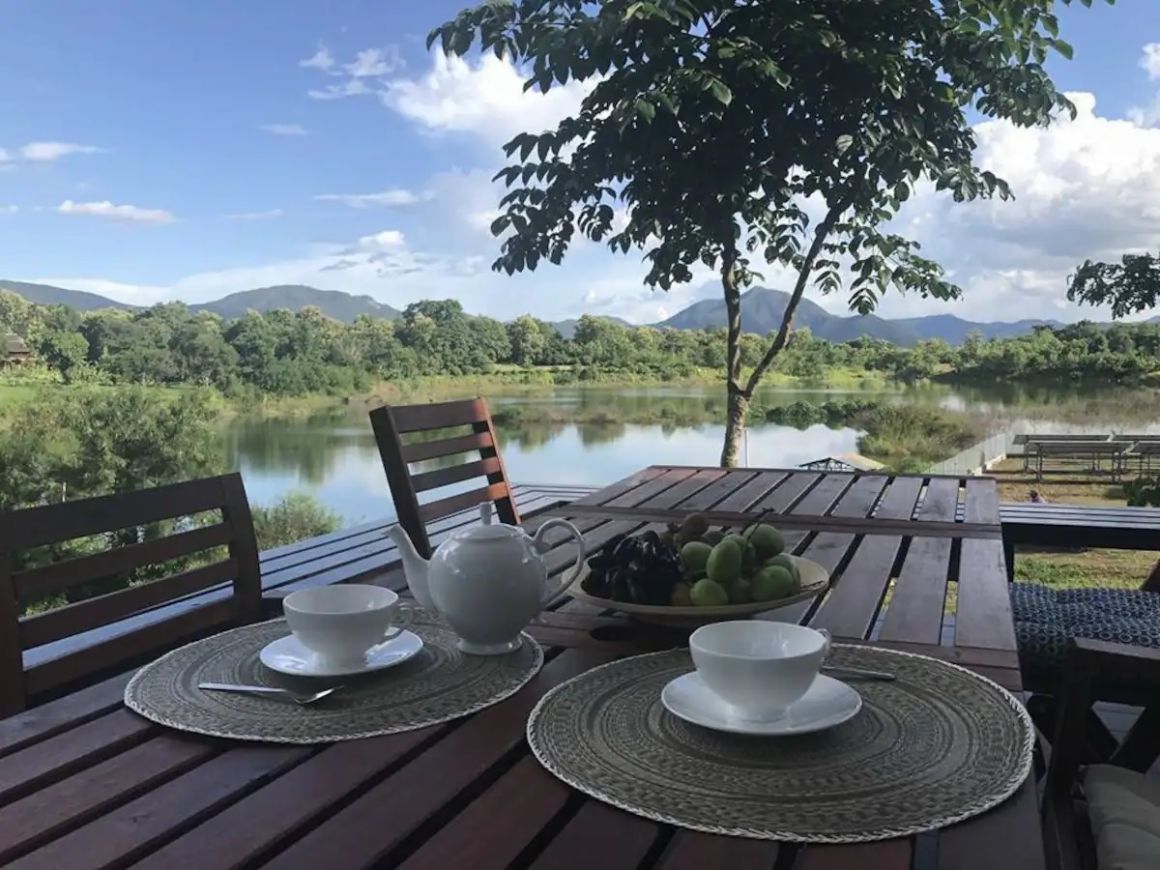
x,y
164,149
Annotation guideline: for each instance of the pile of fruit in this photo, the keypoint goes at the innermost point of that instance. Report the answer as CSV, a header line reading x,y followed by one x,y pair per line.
x,y
690,564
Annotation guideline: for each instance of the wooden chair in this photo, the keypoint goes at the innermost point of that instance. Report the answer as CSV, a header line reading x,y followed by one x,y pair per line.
x,y
1122,804
44,653
469,430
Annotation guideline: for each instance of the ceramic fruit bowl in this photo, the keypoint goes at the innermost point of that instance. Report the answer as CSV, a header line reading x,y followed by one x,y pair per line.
x,y
815,580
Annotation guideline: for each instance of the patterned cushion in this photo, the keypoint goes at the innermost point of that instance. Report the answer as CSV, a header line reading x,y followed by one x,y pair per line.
x,y
1047,619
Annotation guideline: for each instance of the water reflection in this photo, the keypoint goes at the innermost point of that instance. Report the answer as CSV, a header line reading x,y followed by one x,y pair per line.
x,y
335,457
340,464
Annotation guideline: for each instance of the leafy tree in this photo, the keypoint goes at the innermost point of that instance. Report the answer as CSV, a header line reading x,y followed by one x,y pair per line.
x,y
1131,286
17,315
101,441
778,131
105,331
125,439
63,350
526,340
491,338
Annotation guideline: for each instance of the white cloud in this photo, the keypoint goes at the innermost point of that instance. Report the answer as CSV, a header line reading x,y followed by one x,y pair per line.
x,y
107,209
366,74
269,214
1148,115
350,88
45,151
1084,188
1150,61
374,62
383,240
9,209
4,156
392,197
485,98
321,59
284,129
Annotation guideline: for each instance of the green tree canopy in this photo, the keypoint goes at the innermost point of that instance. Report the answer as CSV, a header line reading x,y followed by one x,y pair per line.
x,y
733,133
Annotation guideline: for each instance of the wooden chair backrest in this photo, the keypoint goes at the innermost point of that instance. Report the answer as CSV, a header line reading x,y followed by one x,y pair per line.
x,y
79,646
1091,666
469,430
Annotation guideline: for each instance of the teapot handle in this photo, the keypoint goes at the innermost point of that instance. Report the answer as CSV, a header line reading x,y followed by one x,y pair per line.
x,y
555,586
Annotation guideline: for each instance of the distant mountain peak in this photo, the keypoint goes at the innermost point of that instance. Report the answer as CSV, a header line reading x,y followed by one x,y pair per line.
x,y
46,294
332,303
762,309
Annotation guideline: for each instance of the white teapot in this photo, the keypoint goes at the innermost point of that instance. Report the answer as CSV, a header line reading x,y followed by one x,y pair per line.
x,y
488,581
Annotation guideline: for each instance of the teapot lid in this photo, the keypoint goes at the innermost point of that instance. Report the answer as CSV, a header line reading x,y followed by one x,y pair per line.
x,y
487,530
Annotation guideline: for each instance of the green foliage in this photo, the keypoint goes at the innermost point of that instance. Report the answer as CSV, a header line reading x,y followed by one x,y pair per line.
x,y
297,516
97,441
911,437
1129,287
1143,492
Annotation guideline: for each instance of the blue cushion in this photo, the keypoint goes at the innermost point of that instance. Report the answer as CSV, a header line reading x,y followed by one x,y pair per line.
x,y
1047,619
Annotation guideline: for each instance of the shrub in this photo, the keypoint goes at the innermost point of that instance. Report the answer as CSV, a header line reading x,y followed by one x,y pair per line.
x,y
1143,492
297,516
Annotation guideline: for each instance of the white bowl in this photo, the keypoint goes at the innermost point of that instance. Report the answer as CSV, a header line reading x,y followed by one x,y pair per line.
x,y
758,667
341,623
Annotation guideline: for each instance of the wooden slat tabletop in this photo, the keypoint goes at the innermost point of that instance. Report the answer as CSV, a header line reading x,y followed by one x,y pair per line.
x,y
84,783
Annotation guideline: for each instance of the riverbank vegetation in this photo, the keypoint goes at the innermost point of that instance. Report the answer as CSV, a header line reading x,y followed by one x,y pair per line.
x,y
436,348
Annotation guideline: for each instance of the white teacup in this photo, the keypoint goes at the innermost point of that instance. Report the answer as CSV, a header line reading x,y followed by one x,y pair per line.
x,y
757,667
341,623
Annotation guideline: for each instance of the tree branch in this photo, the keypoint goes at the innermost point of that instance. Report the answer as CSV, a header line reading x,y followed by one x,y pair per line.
x,y
782,336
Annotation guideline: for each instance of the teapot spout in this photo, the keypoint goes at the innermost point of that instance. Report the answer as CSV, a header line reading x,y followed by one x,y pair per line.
x,y
414,566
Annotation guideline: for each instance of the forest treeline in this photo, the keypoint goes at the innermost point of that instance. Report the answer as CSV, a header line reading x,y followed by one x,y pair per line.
x,y
293,353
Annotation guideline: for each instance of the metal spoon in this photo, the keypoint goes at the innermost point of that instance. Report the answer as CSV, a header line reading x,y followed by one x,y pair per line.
x,y
302,700
857,673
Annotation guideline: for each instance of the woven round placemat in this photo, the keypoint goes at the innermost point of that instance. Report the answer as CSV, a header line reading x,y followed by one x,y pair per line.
x,y
934,747
439,684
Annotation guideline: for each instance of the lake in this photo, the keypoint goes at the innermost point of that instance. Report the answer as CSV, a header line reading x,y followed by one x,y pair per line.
x,y
334,456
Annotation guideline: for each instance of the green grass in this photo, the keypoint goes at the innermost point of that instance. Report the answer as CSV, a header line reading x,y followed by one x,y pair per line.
x,y
1069,569
15,394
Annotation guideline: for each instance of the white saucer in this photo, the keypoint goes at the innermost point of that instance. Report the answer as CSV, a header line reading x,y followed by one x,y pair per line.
x,y
287,655
827,702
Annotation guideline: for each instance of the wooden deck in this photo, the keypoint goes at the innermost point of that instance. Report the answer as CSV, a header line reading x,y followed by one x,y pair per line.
x,y
85,783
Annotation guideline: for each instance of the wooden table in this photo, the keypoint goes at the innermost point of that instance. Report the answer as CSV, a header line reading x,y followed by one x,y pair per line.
x,y
85,783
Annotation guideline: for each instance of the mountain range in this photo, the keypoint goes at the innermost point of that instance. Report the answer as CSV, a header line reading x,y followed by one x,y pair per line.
x,y
332,303
762,309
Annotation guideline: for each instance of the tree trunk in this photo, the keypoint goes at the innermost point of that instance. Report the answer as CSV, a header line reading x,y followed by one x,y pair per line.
x,y
738,398
738,411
